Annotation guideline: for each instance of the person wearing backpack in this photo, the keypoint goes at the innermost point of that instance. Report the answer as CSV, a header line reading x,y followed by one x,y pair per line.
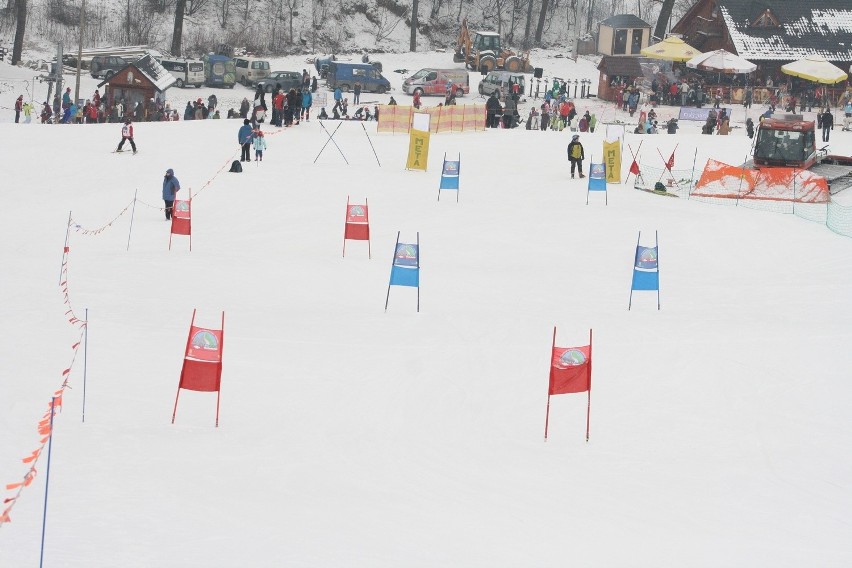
x,y
576,155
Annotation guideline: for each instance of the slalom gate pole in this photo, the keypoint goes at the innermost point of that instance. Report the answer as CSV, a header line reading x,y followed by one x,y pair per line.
x,y
657,246
47,482
396,246
132,214
630,303
549,380
327,141
742,176
345,222
65,248
371,144
85,359
331,138
692,182
589,400
369,245
219,383
418,272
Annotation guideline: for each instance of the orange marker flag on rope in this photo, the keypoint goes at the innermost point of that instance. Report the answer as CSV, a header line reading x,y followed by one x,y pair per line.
x,y
4,518
32,457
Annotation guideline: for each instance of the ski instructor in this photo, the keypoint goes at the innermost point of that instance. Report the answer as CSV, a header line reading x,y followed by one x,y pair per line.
x,y
171,186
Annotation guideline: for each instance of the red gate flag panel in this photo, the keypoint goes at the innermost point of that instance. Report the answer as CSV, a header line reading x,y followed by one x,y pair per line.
x,y
182,218
570,370
356,214
202,362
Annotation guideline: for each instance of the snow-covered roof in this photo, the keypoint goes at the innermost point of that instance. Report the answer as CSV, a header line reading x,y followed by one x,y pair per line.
x,y
622,21
158,75
806,27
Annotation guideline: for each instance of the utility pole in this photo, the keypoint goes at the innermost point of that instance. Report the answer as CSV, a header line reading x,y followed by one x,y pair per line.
x,y
80,49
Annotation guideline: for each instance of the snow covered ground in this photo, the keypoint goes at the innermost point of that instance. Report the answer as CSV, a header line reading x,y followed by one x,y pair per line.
x,y
720,425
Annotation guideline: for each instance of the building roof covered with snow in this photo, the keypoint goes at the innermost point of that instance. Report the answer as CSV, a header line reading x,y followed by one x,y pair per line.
x,y
771,30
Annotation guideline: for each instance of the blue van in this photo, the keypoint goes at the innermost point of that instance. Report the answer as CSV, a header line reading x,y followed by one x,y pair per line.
x,y
345,75
219,71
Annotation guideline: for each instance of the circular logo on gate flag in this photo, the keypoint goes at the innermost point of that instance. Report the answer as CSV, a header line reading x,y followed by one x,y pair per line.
x,y
204,340
648,256
182,206
572,358
356,211
406,252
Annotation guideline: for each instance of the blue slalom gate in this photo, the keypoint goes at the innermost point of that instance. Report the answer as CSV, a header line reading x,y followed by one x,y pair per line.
x,y
405,270
597,181
646,269
450,176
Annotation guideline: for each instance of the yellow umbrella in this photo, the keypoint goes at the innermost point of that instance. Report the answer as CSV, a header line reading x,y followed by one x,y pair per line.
x,y
815,68
671,49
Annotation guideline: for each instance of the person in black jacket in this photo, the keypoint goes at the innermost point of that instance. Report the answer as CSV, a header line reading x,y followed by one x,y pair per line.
x,y
827,124
492,109
576,155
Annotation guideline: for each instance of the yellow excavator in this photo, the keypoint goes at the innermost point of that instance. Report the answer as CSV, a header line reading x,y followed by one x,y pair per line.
x,y
482,52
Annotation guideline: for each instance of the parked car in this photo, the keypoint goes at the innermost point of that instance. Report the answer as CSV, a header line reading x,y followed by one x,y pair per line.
x,y
189,73
434,82
105,66
250,70
287,79
501,82
345,75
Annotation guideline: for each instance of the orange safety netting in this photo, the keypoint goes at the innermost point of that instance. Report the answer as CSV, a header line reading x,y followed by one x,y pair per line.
x,y
452,118
775,184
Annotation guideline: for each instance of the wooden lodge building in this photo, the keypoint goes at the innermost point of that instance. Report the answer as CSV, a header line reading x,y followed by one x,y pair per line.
x,y
771,33
142,81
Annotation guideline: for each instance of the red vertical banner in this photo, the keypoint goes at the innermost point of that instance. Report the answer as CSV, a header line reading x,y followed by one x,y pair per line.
x,y
202,362
181,221
357,225
570,372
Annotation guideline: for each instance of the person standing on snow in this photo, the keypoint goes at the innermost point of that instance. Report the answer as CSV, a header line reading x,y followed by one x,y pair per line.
x,y
259,146
576,155
307,101
19,106
244,138
356,92
171,186
827,124
126,136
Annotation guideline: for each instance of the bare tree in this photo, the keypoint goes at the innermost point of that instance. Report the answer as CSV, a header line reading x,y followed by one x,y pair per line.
x,y
194,6
436,7
412,44
222,9
20,30
386,21
663,18
177,34
526,44
541,16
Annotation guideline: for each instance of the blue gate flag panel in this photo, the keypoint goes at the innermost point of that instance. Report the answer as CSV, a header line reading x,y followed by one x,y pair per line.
x,y
646,257
597,177
402,276
406,255
646,280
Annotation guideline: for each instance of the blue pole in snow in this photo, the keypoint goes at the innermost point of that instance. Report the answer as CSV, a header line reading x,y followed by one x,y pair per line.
x,y
46,482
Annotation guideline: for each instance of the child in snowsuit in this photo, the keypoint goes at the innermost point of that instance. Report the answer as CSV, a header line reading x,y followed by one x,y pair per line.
x,y
259,146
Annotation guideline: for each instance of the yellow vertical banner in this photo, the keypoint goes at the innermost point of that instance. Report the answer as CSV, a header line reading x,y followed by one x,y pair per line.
x,y
418,150
612,159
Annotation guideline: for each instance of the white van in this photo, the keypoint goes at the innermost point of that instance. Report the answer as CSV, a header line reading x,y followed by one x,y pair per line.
x,y
251,70
188,72
431,81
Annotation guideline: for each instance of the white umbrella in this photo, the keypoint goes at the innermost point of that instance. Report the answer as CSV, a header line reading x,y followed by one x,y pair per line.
x,y
815,68
722,61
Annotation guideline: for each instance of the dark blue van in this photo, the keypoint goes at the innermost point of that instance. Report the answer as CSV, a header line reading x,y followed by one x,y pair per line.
x,y
345,75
